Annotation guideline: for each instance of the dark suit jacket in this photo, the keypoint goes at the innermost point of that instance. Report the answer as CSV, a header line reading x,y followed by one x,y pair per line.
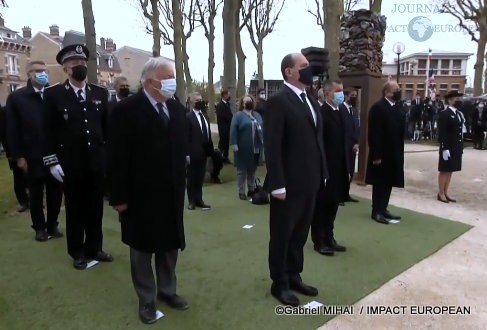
x,y
27,128
450,136
3,130
351,123
223,117
386,142
147,164
295,156
198,148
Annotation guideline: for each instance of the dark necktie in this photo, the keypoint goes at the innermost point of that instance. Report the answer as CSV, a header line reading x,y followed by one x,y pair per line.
x,y
203,127
162,114
41,95
80,95
303,98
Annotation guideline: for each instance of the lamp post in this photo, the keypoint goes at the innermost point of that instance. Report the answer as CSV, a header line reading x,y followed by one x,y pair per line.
x,y
398,48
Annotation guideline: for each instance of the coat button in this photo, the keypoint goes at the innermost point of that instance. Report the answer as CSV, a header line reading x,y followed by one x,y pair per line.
x,y
87,131
86,120
89,143
84,109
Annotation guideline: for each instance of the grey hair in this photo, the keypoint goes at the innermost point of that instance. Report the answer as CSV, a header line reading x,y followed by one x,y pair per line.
x,y
151,66
193,96
328,86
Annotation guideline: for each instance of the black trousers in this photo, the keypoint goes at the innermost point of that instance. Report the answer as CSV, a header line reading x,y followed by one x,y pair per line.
x,y
20,184
224,143
217,159
352,156
84,212
54,196
196,176
290,221
381,193
323,220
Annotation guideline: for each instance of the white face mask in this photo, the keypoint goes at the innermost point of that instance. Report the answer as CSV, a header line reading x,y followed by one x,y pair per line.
x,y
168,87
262,96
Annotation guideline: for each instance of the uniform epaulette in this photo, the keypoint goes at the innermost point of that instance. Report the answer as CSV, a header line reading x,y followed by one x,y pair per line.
x,y
96,85
52,85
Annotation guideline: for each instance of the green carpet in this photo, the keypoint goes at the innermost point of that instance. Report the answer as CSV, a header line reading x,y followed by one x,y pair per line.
x,y
223,272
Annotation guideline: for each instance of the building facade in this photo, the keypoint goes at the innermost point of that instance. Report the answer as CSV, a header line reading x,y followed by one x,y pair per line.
x,y
449,69
15,51
45,47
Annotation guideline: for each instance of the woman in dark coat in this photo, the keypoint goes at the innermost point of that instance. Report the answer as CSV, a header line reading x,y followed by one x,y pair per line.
x,y
450,137
247,140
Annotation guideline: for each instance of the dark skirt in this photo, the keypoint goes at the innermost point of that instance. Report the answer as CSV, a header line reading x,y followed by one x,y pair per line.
x,y
453,164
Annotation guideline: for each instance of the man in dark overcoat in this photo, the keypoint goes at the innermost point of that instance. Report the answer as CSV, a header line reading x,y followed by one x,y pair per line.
x,y
385,164
224,119
147,159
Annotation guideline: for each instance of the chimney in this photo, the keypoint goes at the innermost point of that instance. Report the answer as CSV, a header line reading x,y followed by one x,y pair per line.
x,y
54,31
102,43
26,32
109,45
2,21
114,46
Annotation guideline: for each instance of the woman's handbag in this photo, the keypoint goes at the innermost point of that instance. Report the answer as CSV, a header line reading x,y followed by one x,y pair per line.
x,y
260,196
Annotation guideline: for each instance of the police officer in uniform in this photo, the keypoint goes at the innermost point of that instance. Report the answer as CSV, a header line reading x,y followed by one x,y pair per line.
x,y
77,114
450,137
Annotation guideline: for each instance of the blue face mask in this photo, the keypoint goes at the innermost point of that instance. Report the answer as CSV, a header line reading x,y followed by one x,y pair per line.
x,y
338,98
42,78
168,87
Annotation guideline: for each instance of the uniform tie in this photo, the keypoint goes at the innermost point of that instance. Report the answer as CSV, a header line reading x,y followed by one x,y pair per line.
x,y
204,130
80,95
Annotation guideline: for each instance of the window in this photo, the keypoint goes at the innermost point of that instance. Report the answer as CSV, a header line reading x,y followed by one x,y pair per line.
x,y
455,86
445,64
457,67
443,86
409,86
12,64
422,64
97,59
420,86
434,64
110,61
421,72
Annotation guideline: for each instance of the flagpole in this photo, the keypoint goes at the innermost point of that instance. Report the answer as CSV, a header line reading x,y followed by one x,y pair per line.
x,y
426,85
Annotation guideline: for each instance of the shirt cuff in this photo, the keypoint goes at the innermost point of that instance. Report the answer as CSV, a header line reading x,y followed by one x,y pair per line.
x,y
278,191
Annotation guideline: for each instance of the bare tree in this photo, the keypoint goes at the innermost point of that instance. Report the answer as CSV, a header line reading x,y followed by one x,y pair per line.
x,y
333,10
317,13
90,36
375,6
351,4
471,11
207,10
240,53
153,17
229,36
263,18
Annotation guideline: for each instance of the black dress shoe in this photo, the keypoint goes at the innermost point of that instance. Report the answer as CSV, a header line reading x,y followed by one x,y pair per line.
x,y
300,287
102,256
351,199
450,199
191,206
286,297
41,236
250,193
55,233
380,218
174,301
441,199
324,250
337,247
242,197
80,263
147,313
22,208
203,205
389,215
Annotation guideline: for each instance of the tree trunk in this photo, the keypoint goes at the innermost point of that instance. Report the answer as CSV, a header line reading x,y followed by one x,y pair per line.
x,y
211,67
260,62
333,10
178,53
240,55
479,64
187,72
90,36
229,36
156,30
375,6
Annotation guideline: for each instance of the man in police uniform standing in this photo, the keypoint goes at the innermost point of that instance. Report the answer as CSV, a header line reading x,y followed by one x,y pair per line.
x,y
77,114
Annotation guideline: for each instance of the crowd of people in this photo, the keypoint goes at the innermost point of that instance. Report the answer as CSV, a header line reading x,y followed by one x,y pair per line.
x,y
144,152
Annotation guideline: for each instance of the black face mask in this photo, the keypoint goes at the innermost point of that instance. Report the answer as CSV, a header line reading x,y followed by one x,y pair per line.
x,y
200,105
79,72
228,99
396,96
353,101
249,105
306,76
123,92
457,104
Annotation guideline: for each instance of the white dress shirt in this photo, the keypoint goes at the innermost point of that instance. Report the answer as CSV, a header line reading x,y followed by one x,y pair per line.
x,y
334,107
153,101
76,89
298,93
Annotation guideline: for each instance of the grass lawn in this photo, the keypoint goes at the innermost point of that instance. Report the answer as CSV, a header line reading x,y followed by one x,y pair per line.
x,y
223,272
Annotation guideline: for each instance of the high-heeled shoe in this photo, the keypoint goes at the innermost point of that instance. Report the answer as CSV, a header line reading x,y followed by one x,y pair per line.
x,y
450,199
441,200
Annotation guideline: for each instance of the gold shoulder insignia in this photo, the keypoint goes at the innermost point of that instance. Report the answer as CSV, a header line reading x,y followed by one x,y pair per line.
x,y
52,85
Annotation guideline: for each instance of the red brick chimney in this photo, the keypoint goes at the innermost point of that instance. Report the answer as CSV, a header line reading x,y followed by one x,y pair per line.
x,y
26,32
109,46
54,31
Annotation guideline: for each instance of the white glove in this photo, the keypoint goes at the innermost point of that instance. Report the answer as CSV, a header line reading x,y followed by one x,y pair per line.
x,y
57,172
188,160
235,147
446,154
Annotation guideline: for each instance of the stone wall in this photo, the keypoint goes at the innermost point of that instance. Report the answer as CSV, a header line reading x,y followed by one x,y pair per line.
x,y
361,41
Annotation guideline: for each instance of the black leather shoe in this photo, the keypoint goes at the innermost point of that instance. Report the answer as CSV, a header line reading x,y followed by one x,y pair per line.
x,y
380,218
389,215
300,287
351,199
80,263
325,250
203,205
102,256
22,208
175,301
242,197
337,247
41,236
250,193
147,313
191,206
286,297
55,233
450,199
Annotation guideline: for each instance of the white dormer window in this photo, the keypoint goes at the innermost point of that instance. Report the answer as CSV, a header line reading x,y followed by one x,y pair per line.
x,y
110,61
97,59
